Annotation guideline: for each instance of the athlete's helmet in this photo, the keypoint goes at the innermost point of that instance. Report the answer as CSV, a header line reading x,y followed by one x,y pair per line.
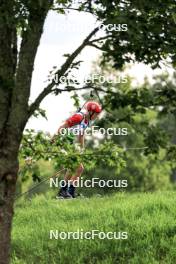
x,y
93,107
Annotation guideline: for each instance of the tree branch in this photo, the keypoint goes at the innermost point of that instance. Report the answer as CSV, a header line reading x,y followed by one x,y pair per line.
x,y
98,39
76,9
96,91
60,73
71,88
29,144
69,8
96,46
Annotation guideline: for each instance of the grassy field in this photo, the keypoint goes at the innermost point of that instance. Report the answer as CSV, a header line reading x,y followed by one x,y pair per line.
x,y
149,219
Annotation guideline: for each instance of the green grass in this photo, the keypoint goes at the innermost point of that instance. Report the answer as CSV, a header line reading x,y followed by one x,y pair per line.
x,y
149,219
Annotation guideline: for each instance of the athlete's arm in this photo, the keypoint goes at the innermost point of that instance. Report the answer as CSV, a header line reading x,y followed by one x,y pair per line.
x,y
64,125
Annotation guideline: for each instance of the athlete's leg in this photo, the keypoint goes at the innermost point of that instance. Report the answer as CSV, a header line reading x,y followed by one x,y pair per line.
x,y
68,189
63,192
78,173
67,175
75,178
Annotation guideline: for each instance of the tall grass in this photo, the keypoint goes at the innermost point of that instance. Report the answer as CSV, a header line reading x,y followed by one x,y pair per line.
x,y
149,219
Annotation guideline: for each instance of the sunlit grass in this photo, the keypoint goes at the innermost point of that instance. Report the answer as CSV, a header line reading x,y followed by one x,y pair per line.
x,y
149,219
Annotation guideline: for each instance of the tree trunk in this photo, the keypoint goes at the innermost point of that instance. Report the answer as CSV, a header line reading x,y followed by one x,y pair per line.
x,y
7,192
15,82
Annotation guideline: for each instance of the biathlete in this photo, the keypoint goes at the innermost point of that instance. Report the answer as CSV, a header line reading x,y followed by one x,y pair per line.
x,y
80,120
